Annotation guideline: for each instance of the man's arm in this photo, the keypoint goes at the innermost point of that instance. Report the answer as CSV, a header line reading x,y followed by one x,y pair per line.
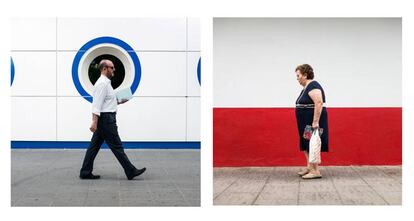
x,y
98,99
94,125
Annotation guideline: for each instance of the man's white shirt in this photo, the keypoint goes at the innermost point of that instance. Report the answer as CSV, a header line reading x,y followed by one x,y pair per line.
x,y
104,99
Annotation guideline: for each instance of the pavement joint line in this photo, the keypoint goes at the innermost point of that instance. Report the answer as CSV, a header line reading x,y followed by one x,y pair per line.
x,y
298,198
258,194
151,193
227,188
119,192
157,158
387,174
166,173
382,171
333,184
181,193
352,167
176,186
87,193
17,183
31,178
17,201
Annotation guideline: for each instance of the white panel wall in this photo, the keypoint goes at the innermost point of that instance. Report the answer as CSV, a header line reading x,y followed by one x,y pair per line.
x,y
139,33
357,60
33,118
152,119
33,34
161,110
35,73
65,85
163,74
74,118
194,34
193,87
193,119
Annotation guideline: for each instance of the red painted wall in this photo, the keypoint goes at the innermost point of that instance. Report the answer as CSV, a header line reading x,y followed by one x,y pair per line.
x,y
269,137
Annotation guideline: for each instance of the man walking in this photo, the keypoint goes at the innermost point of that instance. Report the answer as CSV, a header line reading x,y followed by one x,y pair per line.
x,y
104,126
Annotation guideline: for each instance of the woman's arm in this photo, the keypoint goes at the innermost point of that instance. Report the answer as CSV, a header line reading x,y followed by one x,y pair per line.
x,y
316,96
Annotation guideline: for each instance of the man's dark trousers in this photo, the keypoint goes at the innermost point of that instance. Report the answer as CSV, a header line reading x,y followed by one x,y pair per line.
x,y
107,130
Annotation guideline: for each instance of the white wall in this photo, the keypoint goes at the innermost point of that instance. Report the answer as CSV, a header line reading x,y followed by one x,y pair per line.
x,y
357,60
47,107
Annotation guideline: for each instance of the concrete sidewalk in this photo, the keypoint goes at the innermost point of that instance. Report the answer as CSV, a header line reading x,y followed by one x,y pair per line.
x,y
350,185
51,178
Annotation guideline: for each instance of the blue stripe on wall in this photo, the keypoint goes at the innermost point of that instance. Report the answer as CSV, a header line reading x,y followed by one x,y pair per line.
x,y
84,145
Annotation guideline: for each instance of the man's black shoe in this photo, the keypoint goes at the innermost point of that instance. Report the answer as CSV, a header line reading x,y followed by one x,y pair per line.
x,y
137,173
90,177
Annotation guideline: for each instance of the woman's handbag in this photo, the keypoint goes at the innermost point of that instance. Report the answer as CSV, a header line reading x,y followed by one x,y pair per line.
x,y
315,147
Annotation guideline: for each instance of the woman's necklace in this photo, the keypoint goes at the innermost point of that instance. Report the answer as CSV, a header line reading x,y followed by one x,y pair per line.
x,y
303,91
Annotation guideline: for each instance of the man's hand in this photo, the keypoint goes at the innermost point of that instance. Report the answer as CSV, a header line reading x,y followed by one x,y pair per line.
x,y
94,126
122,101
315,125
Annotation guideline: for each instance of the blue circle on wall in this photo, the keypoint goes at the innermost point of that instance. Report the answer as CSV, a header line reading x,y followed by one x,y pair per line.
x,y
104,40
11,71
199,71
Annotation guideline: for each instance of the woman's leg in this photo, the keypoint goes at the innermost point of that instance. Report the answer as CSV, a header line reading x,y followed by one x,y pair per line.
x,y
307,169
312,166
307,158
315,168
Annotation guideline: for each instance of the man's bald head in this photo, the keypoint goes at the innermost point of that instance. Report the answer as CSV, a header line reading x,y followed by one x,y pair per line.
x,y
105,63
106,67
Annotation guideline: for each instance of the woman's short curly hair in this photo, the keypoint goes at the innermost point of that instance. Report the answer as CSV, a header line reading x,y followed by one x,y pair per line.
x,y
306,70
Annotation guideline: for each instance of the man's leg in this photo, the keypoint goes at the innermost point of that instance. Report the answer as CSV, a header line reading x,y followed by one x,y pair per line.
x,y
114,142
93,149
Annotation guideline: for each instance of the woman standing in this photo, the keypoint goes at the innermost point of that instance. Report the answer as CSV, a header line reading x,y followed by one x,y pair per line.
x,y
310,114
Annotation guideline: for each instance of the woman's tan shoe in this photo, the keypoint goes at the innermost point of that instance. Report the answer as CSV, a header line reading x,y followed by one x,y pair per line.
x,y
304,172
312,175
